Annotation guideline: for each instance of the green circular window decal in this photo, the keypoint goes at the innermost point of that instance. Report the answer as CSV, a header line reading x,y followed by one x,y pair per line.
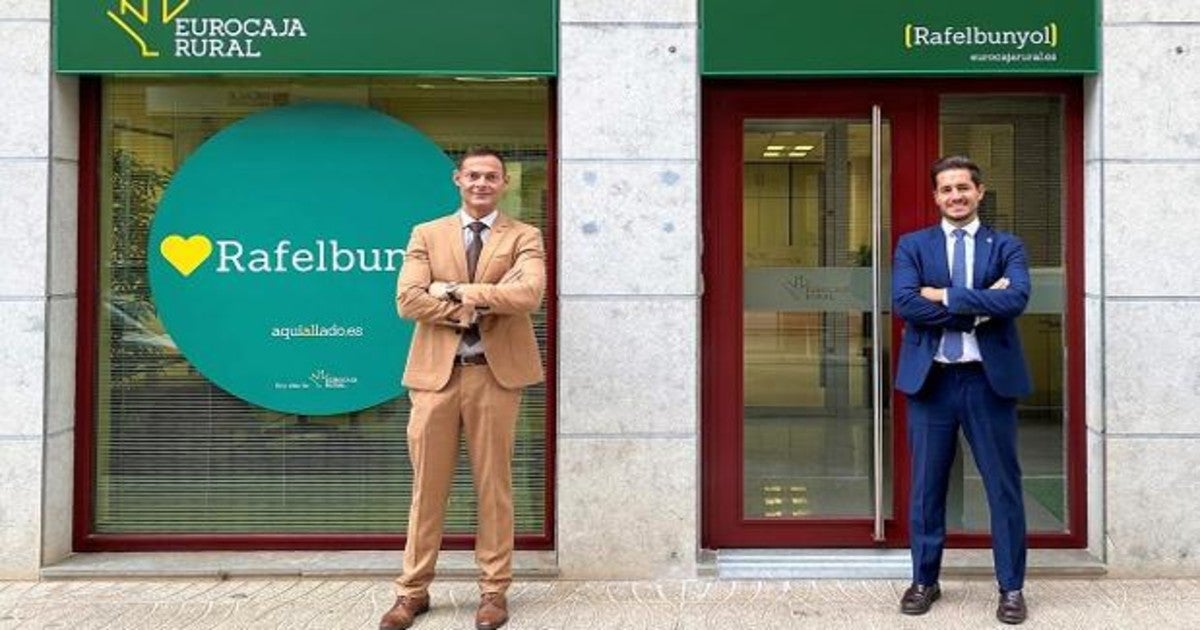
x,y
275,250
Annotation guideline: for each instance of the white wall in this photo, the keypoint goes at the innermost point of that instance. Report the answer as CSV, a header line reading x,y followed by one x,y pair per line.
x,y
1143,174
38,179
24,181
628,411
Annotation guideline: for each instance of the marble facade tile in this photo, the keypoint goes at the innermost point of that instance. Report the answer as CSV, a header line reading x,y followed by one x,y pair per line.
x,y
63,255
641,11
1093,117
1152,350
628,228
60,373
24,89
23,185
1115,11
1093,228
1096,484
1151,94
25,9
64,117
1148,236
21,487
628,92
628,366
1094,372
627,508
59,499
22,355
1152,506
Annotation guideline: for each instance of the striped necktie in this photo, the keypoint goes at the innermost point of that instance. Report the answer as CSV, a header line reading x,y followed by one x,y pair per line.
x,y
471,334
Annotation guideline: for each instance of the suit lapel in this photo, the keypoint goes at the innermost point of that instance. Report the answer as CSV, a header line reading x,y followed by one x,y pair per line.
x,y
453,234
498,229
940,273
983,256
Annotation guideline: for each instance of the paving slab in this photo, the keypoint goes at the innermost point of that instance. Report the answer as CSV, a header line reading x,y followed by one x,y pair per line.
x,y
554,604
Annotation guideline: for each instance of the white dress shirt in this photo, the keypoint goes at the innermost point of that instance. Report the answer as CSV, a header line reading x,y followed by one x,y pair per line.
x,y
970,350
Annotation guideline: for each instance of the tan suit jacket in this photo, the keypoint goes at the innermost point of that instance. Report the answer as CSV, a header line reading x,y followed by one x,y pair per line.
x,y
508,287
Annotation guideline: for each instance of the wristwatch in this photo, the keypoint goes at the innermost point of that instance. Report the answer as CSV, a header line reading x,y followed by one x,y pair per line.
x,y
452,292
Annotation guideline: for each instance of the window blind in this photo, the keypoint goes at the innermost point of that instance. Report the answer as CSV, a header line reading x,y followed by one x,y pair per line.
x,y
176,454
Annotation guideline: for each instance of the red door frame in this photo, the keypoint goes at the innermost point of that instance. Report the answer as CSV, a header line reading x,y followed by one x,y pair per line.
x,y
83,534
912,107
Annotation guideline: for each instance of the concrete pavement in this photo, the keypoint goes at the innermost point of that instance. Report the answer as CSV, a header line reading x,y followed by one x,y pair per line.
x,y
331,604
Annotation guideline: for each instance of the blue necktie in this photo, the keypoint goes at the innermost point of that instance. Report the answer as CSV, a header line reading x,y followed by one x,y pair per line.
x,y
952,340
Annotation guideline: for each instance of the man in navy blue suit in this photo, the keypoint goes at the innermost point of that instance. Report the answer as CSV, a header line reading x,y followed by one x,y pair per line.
x,y
959,287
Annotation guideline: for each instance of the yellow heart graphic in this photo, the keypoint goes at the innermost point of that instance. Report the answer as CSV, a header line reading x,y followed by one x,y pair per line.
x,y
186,254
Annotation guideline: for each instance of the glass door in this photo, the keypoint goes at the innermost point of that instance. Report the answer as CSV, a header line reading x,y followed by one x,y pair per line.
x,y
807,185
803,401
810,297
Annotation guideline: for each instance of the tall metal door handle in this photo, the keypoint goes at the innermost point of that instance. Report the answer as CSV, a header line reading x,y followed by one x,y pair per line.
x,y
876,310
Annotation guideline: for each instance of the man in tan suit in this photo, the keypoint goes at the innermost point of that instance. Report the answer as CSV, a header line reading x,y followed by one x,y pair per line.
x,y
471,281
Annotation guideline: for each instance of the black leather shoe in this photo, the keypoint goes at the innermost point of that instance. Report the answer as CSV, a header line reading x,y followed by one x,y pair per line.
x,y
919,598
1012,607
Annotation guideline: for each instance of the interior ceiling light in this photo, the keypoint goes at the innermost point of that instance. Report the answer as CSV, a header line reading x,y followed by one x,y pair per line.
x,y
495,79
776,147
797,154
771,154
803,147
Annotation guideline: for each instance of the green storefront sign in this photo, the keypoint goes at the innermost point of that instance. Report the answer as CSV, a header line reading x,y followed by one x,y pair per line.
x,y
476,37
886,37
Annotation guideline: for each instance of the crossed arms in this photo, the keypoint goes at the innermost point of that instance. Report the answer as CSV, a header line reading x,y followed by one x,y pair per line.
x,y
421,297
959,308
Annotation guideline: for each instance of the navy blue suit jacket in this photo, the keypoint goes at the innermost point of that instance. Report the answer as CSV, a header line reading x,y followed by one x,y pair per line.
x,y
921,262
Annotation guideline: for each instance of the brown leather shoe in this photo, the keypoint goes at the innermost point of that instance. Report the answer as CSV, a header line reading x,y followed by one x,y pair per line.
x,y
492,613
1012,607
919,598
404,612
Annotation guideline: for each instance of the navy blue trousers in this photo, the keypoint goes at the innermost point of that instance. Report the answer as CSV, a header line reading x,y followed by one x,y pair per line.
x,y
952,398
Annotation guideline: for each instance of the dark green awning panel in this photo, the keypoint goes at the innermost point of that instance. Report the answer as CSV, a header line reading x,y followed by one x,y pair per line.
x,y
476,37
889,37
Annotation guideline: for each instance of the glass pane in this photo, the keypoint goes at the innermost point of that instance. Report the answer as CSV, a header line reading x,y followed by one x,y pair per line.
x,y
175,454
1018,142
807,338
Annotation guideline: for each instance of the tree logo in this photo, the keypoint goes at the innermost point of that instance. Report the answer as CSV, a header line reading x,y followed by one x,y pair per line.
x,y
129,15
159,29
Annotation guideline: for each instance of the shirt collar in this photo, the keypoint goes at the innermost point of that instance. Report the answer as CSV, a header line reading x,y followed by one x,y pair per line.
x,y
467,219
971,228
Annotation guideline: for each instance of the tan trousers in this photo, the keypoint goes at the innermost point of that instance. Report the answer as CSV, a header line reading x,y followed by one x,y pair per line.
x,y
486,413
